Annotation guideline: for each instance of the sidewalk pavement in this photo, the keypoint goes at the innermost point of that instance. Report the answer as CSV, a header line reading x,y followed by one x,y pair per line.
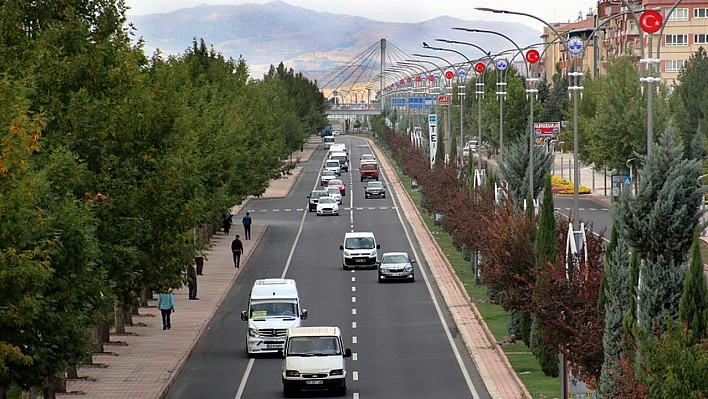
x,y
599,182
143,363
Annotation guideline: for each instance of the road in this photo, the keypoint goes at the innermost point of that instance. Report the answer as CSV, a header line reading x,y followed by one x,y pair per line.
x,y
404,342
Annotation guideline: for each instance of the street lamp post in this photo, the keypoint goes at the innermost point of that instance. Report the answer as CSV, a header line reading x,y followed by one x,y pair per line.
x,y
532,94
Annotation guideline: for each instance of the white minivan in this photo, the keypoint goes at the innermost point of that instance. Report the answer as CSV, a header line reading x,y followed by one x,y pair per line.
x,y
359,250
313,359
273,307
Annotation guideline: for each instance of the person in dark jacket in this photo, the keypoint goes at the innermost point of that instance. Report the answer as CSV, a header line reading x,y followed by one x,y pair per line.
x,y
192,282
237,250
227,222
246,226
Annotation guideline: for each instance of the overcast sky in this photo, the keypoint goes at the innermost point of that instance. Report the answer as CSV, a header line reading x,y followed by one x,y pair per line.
x,y
403,10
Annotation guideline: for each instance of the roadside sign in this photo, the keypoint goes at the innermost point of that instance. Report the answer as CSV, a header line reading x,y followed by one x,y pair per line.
x,y
444,100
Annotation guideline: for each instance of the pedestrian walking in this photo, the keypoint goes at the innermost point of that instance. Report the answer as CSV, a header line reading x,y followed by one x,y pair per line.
x,y
166,304
237,250
192,282
199,261
228,217
246,226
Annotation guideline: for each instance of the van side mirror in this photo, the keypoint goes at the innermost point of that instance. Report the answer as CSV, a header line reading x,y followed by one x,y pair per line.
x,y
341,247
244,315
347,352
303,315
378,246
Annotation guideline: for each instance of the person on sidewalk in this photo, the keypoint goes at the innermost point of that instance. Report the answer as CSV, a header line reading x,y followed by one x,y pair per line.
x,y
166,304
199,261
246,226
227,218
237,250
192,282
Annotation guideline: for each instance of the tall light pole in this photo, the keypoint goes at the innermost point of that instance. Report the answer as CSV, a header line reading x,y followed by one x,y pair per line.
x,y
532,94
454,71
460,92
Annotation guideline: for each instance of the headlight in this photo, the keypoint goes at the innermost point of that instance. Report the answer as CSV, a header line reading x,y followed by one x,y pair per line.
x,y
373,254
408,268
337,372
253,332
347,253
292,373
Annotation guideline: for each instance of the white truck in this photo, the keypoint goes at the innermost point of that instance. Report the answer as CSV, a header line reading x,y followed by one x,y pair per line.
x,y
273,307
314,359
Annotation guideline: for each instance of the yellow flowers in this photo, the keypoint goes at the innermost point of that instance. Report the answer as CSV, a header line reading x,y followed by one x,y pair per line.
x,y
563,186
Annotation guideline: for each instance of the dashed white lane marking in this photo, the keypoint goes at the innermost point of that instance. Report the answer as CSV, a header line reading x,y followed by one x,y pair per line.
x,y
353,324
353,279
354,357
354,339
354,311
355,375
353,289
353,299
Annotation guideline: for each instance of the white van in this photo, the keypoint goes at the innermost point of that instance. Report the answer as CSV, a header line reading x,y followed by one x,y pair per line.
x,y
313,359
327,141
338,147
343,159
273,307
359,249
334,166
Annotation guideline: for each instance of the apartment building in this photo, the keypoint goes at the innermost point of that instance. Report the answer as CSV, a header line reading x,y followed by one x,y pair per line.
x,y
610,31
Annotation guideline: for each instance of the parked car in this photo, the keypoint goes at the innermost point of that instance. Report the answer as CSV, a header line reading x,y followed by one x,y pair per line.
x,y
334,193
396,266
326,176
327,206
374,188
339,184
313,198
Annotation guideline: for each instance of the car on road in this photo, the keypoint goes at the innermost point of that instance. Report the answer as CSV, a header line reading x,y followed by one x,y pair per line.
x,y
359,249
313,198
470,146
369,170
367,157
334,193
374,189
339,184
334,166
327,206
326,176
396,266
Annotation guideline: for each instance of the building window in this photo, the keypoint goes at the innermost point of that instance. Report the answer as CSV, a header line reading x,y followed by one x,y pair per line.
x,y
700,39
676,40
700,13
674,65
679,14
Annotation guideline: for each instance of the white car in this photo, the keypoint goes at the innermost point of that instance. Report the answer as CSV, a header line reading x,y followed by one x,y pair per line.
x,y
367,157
334,193
471,146
326,176
327,206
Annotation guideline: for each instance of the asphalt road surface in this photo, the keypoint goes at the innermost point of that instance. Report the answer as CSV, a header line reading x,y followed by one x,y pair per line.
x,y
404,342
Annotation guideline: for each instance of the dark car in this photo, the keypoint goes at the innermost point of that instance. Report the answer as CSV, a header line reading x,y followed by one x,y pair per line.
x,y
396,266
374,189
313,198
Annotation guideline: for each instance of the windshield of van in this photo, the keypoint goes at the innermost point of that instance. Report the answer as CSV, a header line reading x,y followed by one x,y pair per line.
x,y
313,346
329,139
273,309
359,243
332,164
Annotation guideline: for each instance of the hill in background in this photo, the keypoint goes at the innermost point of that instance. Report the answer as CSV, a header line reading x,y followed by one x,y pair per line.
x,y
315,43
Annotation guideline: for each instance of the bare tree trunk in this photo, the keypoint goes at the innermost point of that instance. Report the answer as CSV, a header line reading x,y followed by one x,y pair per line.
x,y
120,322
72,373
53,385
3,391
145,294
104,331
128,314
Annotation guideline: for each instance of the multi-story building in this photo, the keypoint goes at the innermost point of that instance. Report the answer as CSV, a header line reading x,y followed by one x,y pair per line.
x,y
611,31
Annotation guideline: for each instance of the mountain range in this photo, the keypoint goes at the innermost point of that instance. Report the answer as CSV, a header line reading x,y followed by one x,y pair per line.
x,y
316,43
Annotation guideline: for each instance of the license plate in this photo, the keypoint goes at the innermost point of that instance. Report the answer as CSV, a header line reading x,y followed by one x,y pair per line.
x,y
361,260
396,274
314,382
274,346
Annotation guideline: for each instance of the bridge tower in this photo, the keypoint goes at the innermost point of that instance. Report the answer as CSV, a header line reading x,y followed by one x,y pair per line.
x,y
383,69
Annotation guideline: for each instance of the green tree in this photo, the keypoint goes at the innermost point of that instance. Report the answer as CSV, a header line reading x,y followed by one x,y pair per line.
x,y
693,307
515,169
658,224
693,91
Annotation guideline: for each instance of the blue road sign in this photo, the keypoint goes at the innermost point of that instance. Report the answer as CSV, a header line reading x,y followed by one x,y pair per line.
x,y
628,180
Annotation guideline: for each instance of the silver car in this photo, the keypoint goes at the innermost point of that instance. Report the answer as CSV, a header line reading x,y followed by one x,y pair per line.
x,y
396,266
